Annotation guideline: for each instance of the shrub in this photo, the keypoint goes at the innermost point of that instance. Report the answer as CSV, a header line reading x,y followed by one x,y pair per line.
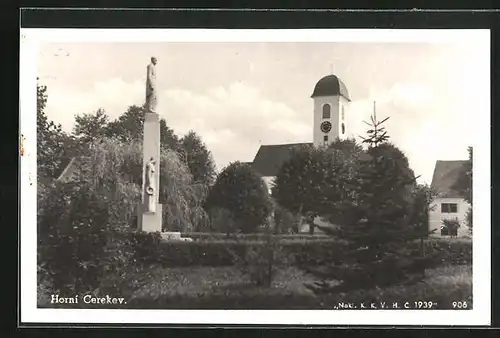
x,y
241,191
285,221
221,220
261,262
301,252
230,252
80,244
450,227
450,251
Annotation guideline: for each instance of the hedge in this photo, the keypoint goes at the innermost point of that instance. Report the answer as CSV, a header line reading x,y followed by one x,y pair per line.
x,y
255,236
151,249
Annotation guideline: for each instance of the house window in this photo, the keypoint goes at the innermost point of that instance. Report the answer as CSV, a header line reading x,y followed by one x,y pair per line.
x,y
343,129
325,138
449,208
326,111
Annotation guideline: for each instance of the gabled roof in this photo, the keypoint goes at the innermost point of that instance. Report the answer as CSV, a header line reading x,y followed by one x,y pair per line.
x,y
446,174
70,169
59,171
270,158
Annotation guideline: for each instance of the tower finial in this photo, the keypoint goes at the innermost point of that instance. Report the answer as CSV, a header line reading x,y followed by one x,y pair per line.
x,y
374,110
331,68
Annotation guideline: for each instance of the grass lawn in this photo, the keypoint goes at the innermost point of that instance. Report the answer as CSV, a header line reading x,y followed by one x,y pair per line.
x,y
221,287
228,288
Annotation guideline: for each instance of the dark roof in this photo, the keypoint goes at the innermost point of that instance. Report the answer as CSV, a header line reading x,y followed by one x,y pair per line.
x,y
446,174
331,85
58,172
270,158
64,164
70,169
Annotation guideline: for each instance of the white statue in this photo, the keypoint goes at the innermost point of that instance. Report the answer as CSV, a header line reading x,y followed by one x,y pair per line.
x,y
150,185
151,97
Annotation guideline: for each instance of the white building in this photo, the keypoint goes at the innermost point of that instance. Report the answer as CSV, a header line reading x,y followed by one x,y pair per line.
x,y
448,204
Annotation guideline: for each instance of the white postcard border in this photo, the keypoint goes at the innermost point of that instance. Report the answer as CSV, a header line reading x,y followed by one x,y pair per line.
x,y
481,313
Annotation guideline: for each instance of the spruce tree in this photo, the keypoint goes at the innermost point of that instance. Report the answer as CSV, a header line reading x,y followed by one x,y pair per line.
x,y
378,253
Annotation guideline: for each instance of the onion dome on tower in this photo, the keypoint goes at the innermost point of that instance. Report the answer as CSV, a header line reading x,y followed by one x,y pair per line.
x,y
331,85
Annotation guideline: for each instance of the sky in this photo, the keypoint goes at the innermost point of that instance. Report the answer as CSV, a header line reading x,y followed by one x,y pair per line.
x,y
238,96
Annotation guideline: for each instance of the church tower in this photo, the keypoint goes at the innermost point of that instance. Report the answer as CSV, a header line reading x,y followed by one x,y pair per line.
x,y
331,102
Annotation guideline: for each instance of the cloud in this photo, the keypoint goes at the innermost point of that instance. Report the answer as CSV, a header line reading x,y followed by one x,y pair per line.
x,y
238,96
232,120
418,123
114,96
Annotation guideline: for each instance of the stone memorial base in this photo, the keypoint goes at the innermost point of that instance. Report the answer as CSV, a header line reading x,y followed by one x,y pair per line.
x,y
174,236
149,221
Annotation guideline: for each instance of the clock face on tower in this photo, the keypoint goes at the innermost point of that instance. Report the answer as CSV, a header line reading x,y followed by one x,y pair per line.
x,y
326,127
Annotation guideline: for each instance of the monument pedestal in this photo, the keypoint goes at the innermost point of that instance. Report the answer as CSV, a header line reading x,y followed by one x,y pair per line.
x,y
149,221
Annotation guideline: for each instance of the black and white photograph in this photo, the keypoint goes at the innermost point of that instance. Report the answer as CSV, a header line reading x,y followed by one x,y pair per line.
x,y
203,176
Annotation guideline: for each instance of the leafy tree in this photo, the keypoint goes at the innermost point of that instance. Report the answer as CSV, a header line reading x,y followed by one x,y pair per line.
x,y
284,220
298,184
316,181
129,125
240,190
197,157
422,197
182,197
421,204
168,139
52,142
347,155
380,229
222,220
348,146
128,128
41,102
79,221
89,127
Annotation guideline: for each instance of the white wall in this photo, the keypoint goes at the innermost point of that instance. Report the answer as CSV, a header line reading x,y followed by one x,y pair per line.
x,y
344,103
436,217
333,101
269,181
